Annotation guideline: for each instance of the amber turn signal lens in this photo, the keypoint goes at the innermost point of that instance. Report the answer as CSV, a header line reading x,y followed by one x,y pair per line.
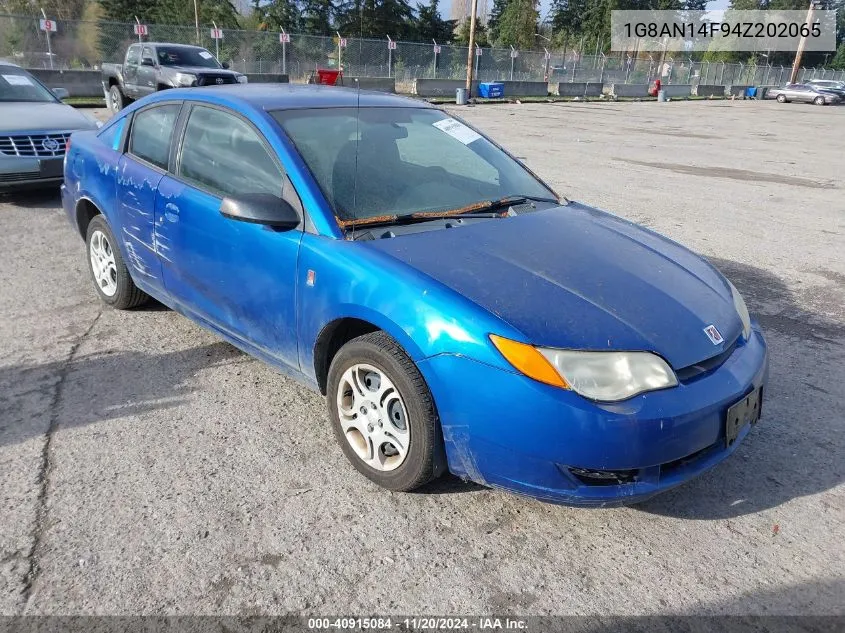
x,y
527,360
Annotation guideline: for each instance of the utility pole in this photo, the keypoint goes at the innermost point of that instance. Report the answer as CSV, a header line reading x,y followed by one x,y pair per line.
x,y
197,21
802,43
471,48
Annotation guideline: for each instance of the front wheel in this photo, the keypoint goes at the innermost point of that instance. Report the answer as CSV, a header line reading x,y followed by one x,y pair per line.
x,y
819,100
110,275
781,98
383,414
116,99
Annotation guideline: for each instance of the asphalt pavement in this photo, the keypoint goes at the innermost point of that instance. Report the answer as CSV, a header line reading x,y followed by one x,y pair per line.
x,y
148,467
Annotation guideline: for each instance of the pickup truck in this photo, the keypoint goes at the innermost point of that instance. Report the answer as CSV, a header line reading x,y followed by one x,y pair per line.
x,y
151,66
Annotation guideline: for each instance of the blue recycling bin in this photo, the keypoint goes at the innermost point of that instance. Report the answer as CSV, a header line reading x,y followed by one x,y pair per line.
x,y
491,90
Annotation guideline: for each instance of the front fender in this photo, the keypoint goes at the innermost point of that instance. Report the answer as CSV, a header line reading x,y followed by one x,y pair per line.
x,y
343,279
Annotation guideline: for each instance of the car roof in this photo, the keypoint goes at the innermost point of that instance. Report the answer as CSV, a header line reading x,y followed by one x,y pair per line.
x,y
278,96
6,62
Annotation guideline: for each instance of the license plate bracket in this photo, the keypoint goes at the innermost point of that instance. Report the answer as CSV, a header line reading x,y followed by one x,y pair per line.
x,y
746,411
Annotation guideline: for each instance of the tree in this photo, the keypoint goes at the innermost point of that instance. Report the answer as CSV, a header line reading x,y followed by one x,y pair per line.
x,y
462,36
221,12
838,60
276,15
318,16
430,26
377,19
518,24
493,20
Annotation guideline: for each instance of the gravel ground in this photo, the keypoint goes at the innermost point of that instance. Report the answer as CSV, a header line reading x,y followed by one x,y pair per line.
x,y
148,467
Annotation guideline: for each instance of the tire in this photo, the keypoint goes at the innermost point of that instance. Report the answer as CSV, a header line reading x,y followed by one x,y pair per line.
x,y
781,98
116,99
819,100
409,404
111,279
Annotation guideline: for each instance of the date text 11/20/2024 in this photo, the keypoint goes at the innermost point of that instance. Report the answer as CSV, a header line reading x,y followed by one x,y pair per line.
x,y
419,623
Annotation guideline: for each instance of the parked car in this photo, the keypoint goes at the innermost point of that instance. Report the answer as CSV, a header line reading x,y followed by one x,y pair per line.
x,y
154,66
829,85
804,93
34,128
455,311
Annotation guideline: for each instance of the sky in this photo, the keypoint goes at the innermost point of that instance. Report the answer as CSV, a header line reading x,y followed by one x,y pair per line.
x,y
446,5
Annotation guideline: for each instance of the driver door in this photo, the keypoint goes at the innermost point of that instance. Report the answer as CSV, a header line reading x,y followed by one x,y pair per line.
x,y
238,277
147,72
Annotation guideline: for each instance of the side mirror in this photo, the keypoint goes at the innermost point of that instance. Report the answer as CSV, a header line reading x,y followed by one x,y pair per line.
x,y
225,65
60,93
147,61
261,208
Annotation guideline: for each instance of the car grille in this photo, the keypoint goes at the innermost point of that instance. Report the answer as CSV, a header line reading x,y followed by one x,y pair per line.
x,y
214,80
35,145
19,177
704,367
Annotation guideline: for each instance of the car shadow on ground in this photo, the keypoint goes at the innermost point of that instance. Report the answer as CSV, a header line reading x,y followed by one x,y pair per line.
x,y
48,197
31,403
796,449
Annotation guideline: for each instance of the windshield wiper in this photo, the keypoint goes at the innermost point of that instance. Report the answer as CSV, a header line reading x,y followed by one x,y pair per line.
x,y
483,209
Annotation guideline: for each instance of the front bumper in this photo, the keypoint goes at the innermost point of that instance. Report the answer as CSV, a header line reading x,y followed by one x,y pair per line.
x,y
17,173
505,430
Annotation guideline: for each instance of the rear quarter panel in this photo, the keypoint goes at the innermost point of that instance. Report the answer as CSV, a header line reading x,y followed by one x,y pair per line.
x,y
90,169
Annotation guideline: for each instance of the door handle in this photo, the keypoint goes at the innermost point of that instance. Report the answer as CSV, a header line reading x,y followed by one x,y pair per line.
x,y
171,212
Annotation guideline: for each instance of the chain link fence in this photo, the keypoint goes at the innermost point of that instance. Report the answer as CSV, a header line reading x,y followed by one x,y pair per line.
x,y
77,44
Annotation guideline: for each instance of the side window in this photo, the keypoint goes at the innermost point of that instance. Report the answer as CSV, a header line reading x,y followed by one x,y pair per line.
x,y
151,132
133,55
223,153
147,53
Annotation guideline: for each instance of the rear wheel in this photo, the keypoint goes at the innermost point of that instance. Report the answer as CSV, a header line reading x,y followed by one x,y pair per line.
x,y
109,273
781,98
383,414
116,99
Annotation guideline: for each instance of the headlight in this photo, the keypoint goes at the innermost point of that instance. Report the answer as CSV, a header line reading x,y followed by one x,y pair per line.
x,y
604,376
741,310
242,79
184,79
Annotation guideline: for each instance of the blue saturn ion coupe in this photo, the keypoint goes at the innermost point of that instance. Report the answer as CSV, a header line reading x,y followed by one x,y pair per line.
x,y
456,312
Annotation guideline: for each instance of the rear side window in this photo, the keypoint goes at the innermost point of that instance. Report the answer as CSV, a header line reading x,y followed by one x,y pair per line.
x,y
223,153
152,130
111,134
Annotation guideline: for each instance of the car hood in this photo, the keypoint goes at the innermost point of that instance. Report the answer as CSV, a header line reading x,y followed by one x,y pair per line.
x,y
25,116
575,277
199,70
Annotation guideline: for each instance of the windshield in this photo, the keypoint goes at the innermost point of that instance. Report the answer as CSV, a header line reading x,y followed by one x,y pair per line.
x,y
398,161
18,85
185,56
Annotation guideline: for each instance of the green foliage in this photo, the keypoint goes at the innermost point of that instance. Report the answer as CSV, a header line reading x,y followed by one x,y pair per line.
x,y
430,26
277,15
838,61
518,24
377,18
494,18
462,36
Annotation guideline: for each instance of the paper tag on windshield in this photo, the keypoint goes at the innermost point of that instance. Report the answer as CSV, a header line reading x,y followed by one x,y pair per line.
x,y
206,55
457,130
17,80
